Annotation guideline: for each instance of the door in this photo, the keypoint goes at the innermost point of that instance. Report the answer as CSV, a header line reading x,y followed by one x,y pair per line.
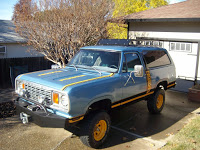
x,y
132,85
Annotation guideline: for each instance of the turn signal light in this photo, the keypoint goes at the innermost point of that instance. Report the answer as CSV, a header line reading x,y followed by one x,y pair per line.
x,y
56,98
23,85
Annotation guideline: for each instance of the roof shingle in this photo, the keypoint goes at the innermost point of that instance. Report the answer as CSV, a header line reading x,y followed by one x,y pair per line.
x,y
8,34
189,9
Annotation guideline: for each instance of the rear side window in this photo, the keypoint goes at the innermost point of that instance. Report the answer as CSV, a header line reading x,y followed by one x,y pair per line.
x,y
156,58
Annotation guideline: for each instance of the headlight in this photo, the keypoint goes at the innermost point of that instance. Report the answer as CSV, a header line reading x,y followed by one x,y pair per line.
x,y
64,100
60,100
20,88
22,85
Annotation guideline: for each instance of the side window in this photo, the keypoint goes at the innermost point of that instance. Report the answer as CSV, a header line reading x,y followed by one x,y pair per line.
x,y
156,58
180,47
132,59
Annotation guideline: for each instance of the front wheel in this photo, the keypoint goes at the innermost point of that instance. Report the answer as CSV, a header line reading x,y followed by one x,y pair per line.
x,y
156,103
95,130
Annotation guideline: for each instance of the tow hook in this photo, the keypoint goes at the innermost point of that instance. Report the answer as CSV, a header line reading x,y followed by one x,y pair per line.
x,y
24,117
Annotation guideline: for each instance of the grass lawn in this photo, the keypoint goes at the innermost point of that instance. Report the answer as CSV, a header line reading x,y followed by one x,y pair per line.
x,y
187,138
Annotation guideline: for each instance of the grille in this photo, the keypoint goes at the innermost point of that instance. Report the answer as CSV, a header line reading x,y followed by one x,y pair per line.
x,y
35,90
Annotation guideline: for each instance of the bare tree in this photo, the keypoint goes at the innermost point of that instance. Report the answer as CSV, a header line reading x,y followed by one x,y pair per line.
x,y
58,28
22,10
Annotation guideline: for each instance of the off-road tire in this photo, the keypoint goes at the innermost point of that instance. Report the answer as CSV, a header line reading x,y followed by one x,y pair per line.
x,y
156,102
89,129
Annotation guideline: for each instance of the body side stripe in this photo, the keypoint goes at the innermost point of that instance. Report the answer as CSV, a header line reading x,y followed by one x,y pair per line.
x,y
130,99
110,75
76,119
119,103
170,85
148,78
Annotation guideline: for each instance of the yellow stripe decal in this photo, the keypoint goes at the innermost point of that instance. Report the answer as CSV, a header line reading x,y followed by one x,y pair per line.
x,y
72,78
149,86
170,85
20,76
49,73
110,75
76,119
29,73
122,103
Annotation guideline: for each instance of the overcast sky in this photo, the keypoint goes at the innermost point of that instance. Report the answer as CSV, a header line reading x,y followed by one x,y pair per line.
x,y
6,8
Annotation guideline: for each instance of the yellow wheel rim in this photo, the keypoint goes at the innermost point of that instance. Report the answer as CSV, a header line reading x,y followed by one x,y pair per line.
x,y
100,130
159,102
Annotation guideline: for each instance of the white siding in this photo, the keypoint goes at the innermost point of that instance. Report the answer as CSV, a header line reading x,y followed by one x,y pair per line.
x,y
165,26
18,51
185,61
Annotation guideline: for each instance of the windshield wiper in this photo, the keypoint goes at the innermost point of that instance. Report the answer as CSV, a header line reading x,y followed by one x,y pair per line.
x,y
96,70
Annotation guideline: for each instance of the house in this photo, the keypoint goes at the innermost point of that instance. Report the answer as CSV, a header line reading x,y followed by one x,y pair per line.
x,y
11,44
175,27
15,56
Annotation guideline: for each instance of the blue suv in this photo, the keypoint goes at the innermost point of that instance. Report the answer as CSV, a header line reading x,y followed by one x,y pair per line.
x,y
97,80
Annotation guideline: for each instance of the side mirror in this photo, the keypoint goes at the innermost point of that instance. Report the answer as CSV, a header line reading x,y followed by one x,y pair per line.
x,y
138,71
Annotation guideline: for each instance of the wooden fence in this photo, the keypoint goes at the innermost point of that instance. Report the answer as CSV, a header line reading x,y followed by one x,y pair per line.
x,y
11,67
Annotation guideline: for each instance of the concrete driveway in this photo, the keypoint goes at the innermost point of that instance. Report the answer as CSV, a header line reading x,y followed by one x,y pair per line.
x,y
132,128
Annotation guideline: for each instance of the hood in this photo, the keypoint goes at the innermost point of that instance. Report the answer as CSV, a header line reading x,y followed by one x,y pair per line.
x,y
61,79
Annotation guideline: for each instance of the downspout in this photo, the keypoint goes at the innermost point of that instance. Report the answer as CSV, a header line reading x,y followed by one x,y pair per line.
x,y
197,64
128,31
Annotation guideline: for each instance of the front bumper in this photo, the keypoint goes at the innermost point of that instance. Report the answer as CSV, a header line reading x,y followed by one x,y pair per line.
x,y
42,117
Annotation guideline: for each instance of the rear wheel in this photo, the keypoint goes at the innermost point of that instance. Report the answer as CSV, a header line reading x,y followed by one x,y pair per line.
x,y
156,103
95,130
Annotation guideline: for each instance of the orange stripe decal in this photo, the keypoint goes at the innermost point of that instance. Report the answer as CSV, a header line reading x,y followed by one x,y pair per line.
x,y
122,103
170,85
76,119
49,73
110,75
148,76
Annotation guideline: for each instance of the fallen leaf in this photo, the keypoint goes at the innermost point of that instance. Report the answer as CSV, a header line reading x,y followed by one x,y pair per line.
x,y
168,134
193,141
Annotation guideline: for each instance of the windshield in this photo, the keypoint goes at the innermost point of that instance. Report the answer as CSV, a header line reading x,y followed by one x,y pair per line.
x,y
97,60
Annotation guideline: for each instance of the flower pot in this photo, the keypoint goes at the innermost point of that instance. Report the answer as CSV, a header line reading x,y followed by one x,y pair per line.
x,y
194,95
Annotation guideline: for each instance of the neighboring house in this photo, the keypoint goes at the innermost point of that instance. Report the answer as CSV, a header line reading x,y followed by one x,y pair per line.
x,y
11,44
169,24
15,56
